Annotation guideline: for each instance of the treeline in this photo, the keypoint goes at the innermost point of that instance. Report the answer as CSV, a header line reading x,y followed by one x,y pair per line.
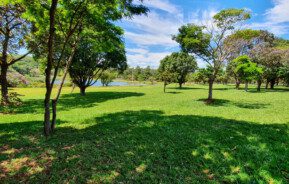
x,y
139,74
245,55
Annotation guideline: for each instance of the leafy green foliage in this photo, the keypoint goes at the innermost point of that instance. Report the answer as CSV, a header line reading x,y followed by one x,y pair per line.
x,y
246,69
229,17
180,64
192,39
208,42
107,77
91,59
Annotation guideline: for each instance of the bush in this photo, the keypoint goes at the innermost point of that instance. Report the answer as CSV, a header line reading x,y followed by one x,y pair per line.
x,y
107,77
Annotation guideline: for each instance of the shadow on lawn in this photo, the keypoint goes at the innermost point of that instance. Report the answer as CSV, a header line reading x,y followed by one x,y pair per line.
x,y
146,146
74,100
245,105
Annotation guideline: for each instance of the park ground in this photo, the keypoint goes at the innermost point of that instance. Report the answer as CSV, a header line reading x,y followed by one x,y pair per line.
x,y
141,135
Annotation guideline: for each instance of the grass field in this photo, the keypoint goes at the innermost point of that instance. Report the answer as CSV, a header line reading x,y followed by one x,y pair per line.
x,y
141,135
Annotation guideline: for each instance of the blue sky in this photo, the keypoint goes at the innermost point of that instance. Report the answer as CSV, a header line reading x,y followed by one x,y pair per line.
x,y
148,38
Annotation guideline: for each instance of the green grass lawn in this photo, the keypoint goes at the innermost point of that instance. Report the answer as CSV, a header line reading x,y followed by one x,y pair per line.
x,y
141,135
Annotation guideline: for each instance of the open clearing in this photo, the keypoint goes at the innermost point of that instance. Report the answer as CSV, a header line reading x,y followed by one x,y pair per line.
x,y
135,134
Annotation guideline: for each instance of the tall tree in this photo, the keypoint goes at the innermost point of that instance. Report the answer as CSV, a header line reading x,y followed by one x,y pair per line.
x,y
90,60
181,64
244,42
14,30
67,19
207,42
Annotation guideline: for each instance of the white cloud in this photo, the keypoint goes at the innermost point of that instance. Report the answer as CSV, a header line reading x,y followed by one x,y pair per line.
x,y
151,39
275,19
279,13
154,30
277,29
143,59
164,5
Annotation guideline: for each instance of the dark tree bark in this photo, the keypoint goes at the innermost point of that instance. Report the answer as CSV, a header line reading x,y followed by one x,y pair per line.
x,y
272,83
238,84
4,85
180,85
259,83
82,90
52,11
4,68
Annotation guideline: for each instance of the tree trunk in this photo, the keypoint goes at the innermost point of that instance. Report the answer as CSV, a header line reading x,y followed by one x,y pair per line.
x,y
246,85
4,85
52,11
54,110
165,87
210,96
238,84
180,85
267,84
55,100
272,83
4,69
82,90
259,83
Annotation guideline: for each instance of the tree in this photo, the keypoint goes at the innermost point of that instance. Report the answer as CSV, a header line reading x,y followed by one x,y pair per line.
x,y
245,42
207,42
92,58
182,64
272,59
202,75
147,73
14,30
246,69
107,77
165,72
67,19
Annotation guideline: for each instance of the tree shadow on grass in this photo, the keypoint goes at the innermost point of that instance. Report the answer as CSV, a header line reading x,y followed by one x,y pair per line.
x,y
245,105
173,92
74,100
146,146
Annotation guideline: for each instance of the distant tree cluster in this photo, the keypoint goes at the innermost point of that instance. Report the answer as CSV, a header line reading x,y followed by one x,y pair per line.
x,y
176,67
140,74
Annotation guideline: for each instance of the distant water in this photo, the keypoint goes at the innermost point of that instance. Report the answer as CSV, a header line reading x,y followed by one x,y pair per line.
x,y
116,83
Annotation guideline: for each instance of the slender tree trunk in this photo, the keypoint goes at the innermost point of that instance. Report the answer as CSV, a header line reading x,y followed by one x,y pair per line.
x,y
267,84
246,85
238,84
272,83
165,84
52,11
55,100
259,83
82,90
4,68
4,85
180,85
210,96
